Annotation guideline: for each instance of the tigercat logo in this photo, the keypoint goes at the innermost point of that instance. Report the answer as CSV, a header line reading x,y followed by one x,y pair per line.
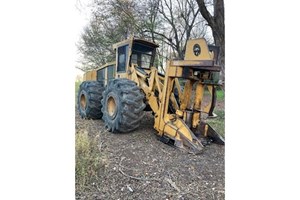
x,y
197,49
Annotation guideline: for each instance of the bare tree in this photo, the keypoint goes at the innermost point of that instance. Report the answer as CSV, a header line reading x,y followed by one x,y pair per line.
x,y
179,19
109,24
166,22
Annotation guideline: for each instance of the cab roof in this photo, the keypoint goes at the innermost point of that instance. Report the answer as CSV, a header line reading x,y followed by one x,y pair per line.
x,y
138,40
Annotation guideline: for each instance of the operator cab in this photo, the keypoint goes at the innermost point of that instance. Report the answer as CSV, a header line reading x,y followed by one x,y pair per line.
x,y
143,53
134,51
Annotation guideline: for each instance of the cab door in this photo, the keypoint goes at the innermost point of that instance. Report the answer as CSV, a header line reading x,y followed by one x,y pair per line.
x,y
122,60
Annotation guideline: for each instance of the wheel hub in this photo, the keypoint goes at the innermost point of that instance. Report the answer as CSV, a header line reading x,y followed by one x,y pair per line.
x,y
82,101
111,107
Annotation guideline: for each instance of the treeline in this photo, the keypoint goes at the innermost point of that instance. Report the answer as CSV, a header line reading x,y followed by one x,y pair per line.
x,y
169,23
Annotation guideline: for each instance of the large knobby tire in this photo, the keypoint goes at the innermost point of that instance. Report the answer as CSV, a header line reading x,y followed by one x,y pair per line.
x,y
89,99
123,106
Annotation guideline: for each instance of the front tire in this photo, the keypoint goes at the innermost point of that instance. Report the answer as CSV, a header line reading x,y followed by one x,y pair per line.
x,y
123,105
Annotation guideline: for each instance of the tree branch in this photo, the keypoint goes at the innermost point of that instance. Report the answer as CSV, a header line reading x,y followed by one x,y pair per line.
x,y
207,16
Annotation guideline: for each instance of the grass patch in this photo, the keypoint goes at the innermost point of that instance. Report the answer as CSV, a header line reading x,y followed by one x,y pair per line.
x,y
77,84
218,123
220,95
89,161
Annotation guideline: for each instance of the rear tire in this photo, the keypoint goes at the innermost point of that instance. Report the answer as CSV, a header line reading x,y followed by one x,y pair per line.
x,y
123,105
89,100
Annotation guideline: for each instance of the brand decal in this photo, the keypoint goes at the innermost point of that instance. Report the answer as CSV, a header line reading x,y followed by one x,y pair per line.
x,y
197,49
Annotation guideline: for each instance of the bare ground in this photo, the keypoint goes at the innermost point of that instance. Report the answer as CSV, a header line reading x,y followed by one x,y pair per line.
x,y
138,166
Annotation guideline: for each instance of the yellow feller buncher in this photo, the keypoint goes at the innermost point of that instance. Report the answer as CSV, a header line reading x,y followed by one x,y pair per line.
x,y
120,92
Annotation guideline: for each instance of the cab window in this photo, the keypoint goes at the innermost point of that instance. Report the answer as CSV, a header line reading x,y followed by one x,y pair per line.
x,y
110,72
101,75
122,58
142,55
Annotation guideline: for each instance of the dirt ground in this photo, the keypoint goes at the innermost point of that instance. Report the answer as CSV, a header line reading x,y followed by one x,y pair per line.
x,y
138,166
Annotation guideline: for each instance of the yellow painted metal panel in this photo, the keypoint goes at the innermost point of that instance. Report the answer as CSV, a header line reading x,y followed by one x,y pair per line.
x,y
196,46
175,71
90,76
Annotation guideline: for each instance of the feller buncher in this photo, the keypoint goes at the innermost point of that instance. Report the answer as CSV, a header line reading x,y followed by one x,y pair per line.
x,y
120,92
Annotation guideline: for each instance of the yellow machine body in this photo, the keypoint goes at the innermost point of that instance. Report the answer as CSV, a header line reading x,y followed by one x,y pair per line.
x,y
188,77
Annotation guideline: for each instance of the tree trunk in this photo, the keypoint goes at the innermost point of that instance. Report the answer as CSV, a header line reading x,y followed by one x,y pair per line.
x,y
217,25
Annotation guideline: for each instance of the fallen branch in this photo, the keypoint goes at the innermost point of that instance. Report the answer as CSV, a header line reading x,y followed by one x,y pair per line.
x,y
123,167
134,177
172,183
100,145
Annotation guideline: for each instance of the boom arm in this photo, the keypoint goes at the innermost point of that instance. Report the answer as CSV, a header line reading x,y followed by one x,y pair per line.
x,y
159,92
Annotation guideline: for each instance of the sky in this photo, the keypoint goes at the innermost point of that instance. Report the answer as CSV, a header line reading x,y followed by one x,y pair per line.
x,y
82,13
